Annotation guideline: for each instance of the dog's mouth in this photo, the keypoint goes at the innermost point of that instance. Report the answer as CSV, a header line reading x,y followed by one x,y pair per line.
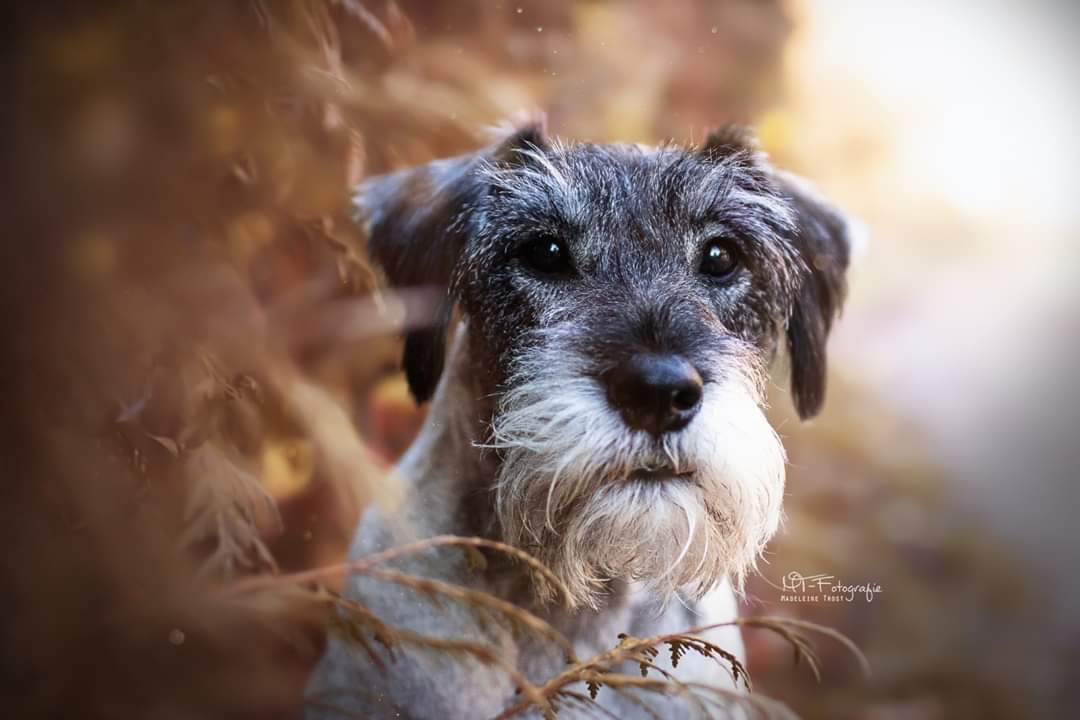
x,y
659,472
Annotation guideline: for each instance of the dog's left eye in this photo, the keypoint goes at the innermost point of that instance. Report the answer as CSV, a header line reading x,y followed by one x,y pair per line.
x,y
720,259
546,255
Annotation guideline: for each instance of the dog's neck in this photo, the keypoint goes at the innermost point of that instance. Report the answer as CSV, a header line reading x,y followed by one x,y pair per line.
x,y
446,457
447,468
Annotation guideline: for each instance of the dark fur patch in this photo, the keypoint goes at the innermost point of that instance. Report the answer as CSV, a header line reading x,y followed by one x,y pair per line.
x,y
825,248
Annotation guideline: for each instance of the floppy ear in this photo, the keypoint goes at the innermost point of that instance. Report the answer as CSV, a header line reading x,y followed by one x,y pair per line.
x,y
733,141
822,238
417,223
415,233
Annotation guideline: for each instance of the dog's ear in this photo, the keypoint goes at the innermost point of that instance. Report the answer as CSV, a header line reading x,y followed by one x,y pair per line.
x,y
731,142
415,233
417,223
822,237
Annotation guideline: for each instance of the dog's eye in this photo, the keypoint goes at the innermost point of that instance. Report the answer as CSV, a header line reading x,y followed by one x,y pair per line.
x,y
720,259
546,255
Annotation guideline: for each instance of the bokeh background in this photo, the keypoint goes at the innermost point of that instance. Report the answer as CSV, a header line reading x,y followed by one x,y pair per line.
x,y
201,384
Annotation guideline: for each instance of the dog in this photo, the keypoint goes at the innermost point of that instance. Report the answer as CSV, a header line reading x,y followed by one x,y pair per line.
x,y
596,376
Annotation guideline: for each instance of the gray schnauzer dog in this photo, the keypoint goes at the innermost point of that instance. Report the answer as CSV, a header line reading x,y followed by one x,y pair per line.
x,y
596,379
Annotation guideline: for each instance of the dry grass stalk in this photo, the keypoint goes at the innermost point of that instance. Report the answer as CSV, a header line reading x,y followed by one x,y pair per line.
x,y
366,563
597,672
354,622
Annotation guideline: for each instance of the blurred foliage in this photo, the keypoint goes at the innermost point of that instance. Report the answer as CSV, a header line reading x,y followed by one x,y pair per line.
x,y
952,633
201,383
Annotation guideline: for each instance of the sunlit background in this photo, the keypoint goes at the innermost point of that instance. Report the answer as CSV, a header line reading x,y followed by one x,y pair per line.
x,y
203,366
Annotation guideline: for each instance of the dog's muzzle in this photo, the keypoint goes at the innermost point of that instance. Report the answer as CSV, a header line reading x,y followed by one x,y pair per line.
x,y
643,472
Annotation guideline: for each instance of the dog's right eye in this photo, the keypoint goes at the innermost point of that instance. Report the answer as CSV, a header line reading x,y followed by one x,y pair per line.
x,y
720,259
546,255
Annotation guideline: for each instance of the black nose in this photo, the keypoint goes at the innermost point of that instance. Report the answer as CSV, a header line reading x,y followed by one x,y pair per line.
x,y
655,393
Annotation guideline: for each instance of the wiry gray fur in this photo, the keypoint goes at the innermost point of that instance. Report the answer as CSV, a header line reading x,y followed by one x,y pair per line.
x,y
521,442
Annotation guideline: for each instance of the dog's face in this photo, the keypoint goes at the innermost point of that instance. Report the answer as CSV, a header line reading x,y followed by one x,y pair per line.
x,y
622,306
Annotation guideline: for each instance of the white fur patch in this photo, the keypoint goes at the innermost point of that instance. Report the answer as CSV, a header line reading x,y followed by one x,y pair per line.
x,y
564,490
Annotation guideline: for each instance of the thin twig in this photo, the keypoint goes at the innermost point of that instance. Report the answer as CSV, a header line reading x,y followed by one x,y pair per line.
x,y
367,562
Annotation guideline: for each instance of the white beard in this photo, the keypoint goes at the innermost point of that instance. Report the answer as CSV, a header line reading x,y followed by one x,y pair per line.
x,y
564,490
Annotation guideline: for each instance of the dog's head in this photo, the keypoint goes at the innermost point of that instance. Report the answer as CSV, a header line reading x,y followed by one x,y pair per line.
x,y
622,305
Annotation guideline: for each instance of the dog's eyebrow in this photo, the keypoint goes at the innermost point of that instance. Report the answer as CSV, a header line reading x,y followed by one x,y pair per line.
x,y
759,212
553,172
725,194
536,189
